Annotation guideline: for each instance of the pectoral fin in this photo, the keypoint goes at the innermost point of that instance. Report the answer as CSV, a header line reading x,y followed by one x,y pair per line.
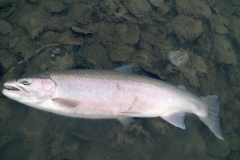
x,y
176,119
66,103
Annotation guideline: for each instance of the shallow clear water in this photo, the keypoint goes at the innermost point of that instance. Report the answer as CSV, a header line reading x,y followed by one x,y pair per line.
x,y
61,34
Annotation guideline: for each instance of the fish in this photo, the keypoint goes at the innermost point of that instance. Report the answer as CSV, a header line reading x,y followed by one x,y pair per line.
x,y
112,94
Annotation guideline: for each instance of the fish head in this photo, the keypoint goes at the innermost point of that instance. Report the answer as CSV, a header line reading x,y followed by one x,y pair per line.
x,y
29,90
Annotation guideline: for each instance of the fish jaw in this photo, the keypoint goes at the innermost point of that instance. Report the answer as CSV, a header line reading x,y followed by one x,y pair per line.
x,y
13,91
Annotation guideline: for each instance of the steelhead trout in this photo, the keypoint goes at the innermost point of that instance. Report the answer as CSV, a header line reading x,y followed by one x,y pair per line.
x,y
102,94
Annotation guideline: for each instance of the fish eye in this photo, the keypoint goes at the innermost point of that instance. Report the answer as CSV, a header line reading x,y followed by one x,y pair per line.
x,y
25,83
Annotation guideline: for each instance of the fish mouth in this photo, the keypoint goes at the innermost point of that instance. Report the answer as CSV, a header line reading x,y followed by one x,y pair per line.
x,y
11,88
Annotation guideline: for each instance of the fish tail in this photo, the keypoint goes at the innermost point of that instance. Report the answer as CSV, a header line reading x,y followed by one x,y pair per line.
x,y
212,120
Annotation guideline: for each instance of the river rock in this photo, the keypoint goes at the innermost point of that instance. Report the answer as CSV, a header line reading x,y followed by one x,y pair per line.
x,y
194,8
81,31
186,28
221,29
220,24
178,58
191,76
94,55
138,8
34,23
55,23
5,27
81,12
54,6
218,148
234,140
234,30
145,46
49,37
223,51
234,156
113,34
7,59
234,2
157,3
121,53
204,45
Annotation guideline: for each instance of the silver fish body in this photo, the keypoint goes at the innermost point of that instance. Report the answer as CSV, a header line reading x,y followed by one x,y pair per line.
x,y
100,94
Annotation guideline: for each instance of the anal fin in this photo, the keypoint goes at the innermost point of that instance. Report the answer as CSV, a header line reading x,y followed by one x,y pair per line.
x,y
176,119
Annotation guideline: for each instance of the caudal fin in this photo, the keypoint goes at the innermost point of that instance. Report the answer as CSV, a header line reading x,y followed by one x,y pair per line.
x,y
212,120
